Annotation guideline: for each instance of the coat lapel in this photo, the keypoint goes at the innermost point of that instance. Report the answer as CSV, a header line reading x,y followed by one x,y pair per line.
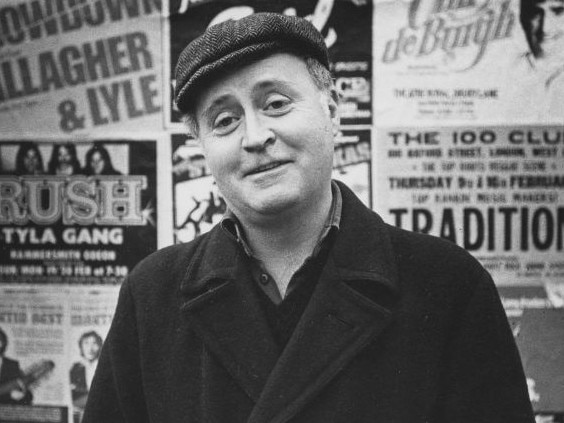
x,y
350,307
224,311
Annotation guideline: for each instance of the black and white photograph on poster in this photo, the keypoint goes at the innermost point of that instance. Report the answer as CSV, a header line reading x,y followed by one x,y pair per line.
x,y
352,163
33,323
91,313
459,62
345,24
198,205
80,67
496,191
76,212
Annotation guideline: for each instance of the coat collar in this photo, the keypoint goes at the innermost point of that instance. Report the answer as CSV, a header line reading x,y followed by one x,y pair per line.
x,y
351,304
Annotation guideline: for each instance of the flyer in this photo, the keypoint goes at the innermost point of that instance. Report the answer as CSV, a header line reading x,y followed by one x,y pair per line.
x,y
91,310
496,191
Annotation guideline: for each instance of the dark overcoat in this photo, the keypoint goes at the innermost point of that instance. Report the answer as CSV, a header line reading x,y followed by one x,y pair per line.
x,y
401,327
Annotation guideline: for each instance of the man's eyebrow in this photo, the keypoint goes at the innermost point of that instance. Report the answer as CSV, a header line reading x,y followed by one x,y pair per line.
x,y
269,83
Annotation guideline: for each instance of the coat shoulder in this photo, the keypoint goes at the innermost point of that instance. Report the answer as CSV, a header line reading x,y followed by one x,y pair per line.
x,y
165,266
436,260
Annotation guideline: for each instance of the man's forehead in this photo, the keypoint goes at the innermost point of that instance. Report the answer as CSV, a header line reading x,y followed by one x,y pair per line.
x,y
278,70
231,43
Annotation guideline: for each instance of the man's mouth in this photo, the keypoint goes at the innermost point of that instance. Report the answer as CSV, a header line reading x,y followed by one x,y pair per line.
x,y
266,167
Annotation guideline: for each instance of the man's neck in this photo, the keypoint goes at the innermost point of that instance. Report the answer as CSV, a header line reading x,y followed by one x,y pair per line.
x,y
283,242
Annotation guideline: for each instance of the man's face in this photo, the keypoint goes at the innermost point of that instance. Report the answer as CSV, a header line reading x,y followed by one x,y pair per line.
x,y
267,132
90,348
547,27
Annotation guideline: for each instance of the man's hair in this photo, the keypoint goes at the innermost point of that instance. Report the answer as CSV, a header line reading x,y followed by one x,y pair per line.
x,y
532,23
4,340
21,155
320,75
90,334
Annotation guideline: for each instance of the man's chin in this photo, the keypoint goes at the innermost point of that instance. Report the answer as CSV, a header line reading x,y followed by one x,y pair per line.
x,y
274,203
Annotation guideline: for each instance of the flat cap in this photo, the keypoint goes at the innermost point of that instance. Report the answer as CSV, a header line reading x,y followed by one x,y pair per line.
x,y
232,42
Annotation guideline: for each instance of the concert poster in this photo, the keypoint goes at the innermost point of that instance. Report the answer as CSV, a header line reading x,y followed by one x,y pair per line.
x,y
76,212
496,191
466,62
34,381
85,67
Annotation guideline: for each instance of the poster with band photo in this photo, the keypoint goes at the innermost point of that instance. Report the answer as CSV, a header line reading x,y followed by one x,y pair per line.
x,y
345,24
460,62
76,212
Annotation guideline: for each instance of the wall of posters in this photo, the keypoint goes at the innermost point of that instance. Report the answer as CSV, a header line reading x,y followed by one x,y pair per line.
x,y
452,123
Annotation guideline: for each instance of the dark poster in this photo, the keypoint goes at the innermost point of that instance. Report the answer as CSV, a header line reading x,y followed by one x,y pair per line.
x,y
76,213
345,24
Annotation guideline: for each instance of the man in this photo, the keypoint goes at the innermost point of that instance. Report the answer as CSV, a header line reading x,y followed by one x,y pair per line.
x,y
82,372
12,388
302,305
543,24
540,71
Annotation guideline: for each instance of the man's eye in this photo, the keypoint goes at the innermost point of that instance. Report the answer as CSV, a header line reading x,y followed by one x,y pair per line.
x,y
277,103
224,122
558,10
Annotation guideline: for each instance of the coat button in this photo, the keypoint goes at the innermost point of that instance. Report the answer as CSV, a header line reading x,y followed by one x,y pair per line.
x,y
264,278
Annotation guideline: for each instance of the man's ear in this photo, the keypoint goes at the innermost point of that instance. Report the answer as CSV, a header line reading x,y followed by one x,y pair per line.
x,y
333,104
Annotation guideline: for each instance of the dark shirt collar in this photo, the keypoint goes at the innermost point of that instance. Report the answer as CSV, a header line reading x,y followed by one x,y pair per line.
x,y
232,226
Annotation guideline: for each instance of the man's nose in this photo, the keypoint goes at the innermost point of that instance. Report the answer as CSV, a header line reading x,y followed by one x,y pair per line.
x,y
258,134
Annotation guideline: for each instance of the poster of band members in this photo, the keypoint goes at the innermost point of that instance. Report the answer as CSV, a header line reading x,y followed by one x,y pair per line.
x,y
76,212
496,191
33,333
461,61
72,67
198,204
345,24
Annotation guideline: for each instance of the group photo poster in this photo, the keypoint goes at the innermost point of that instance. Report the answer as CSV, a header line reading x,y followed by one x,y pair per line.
x,y
80,67
461,62
76,212
346,26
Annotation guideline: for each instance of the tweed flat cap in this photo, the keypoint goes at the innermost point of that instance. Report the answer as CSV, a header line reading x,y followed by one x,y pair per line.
x,y
232,42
